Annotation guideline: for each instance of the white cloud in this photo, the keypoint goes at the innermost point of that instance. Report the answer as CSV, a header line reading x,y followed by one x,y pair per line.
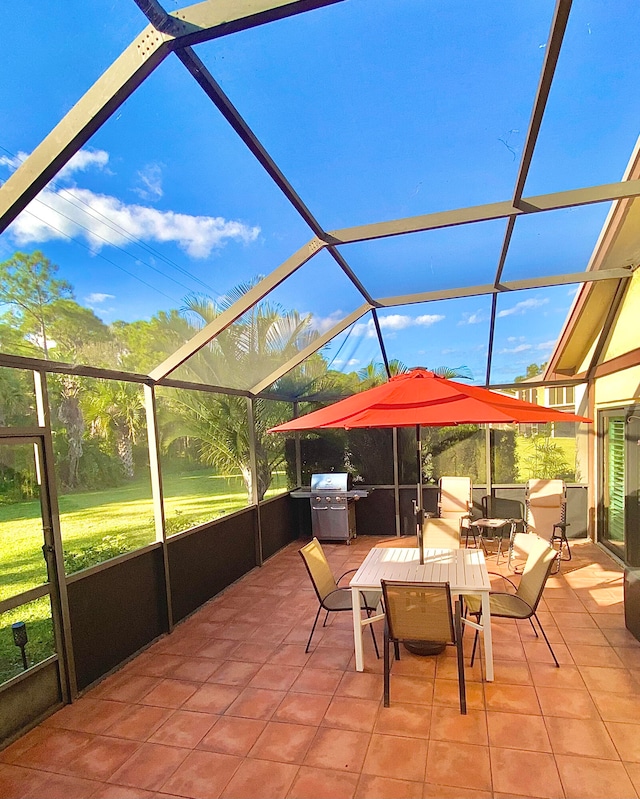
x,y
83,160
546,345
428,319
324,323
353,362
524,306
98,297
149,182
475,318
102,220
512,350
395,322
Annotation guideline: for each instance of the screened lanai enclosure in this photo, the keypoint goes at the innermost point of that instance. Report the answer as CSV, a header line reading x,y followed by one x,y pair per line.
x,y
215,218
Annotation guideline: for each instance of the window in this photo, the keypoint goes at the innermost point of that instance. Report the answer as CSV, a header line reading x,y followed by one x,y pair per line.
x,y
562,395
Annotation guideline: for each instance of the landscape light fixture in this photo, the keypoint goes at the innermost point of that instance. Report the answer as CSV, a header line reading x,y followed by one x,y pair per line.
x,y
20,639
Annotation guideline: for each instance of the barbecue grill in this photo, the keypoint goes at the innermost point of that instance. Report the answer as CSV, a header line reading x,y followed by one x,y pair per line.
x,y
333,515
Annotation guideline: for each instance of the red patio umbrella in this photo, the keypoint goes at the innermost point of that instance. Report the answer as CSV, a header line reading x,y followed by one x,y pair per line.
x,y
420,397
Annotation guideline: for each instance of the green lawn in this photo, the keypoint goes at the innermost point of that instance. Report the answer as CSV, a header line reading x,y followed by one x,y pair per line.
x,y
99,524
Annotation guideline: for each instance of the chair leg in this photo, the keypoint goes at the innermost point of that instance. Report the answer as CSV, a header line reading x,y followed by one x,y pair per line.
x,y
387,665
373,635
461,682
313,628
326,619
553,654
475,638
533,627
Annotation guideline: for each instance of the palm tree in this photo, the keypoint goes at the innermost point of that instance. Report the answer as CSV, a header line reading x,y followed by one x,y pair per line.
x,y
115,411
240,356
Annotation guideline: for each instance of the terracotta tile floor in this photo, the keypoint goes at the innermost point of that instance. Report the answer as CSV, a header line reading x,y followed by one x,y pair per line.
x,y
230,705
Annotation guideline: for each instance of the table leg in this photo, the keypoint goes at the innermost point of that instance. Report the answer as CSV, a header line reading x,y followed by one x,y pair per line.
x,y
357,629
486,634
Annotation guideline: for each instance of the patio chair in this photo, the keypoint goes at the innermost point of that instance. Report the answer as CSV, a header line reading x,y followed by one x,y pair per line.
x,y
522,604
421,612
331,596
545,515
455,501
501,519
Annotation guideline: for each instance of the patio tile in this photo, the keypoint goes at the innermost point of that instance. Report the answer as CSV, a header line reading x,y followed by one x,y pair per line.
x,y
341,750
55,749
520,773
194,669
590,636
431,791
276,676
126,688
633,770
360,685
511,673
63,787
518,731
549,675
212,698
218,649
184,728
256,703
16,781
351,714
617,681
512,698
253,651
235,672
410,689
107,791
587,737
302,708
149,767
585,655
330,658
566,702
284,742
290,655
261,779
574,621
154,664
393,756
317,681
87,715
99,759
387,788
316,783
139,722
459,765
202,775
537,651
448,724
232,736
626,739
170,693
446,692
590,778
617,707
409,720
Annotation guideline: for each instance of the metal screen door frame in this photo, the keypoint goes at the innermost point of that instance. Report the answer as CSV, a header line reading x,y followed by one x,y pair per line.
x,y
55,586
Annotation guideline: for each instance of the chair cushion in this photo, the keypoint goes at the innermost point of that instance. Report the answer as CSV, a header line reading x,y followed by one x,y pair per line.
x,y
341,600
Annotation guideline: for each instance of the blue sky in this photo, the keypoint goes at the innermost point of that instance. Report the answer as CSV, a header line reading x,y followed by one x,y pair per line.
x,y
374,110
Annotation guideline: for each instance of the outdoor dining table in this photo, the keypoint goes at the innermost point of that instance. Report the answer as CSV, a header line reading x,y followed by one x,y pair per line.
x,y
464,569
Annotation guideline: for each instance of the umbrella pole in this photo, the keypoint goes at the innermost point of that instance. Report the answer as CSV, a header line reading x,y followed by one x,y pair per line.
x,y
419,509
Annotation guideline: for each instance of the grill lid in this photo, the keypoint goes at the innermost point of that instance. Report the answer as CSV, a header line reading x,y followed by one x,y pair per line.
x,y
335,481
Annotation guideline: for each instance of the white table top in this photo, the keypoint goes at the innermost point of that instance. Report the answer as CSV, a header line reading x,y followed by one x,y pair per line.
x,y
463,569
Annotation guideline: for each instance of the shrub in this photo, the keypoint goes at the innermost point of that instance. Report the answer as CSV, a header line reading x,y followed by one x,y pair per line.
x,y
108,547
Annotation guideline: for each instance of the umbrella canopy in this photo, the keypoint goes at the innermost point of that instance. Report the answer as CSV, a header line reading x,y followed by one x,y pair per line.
x,y
419,398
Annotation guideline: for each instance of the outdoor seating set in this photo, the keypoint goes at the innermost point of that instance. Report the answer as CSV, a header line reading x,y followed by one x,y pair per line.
x,y
432,595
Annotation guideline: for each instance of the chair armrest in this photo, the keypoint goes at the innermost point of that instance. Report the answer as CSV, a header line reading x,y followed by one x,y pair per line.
x,y
504,577
351,571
